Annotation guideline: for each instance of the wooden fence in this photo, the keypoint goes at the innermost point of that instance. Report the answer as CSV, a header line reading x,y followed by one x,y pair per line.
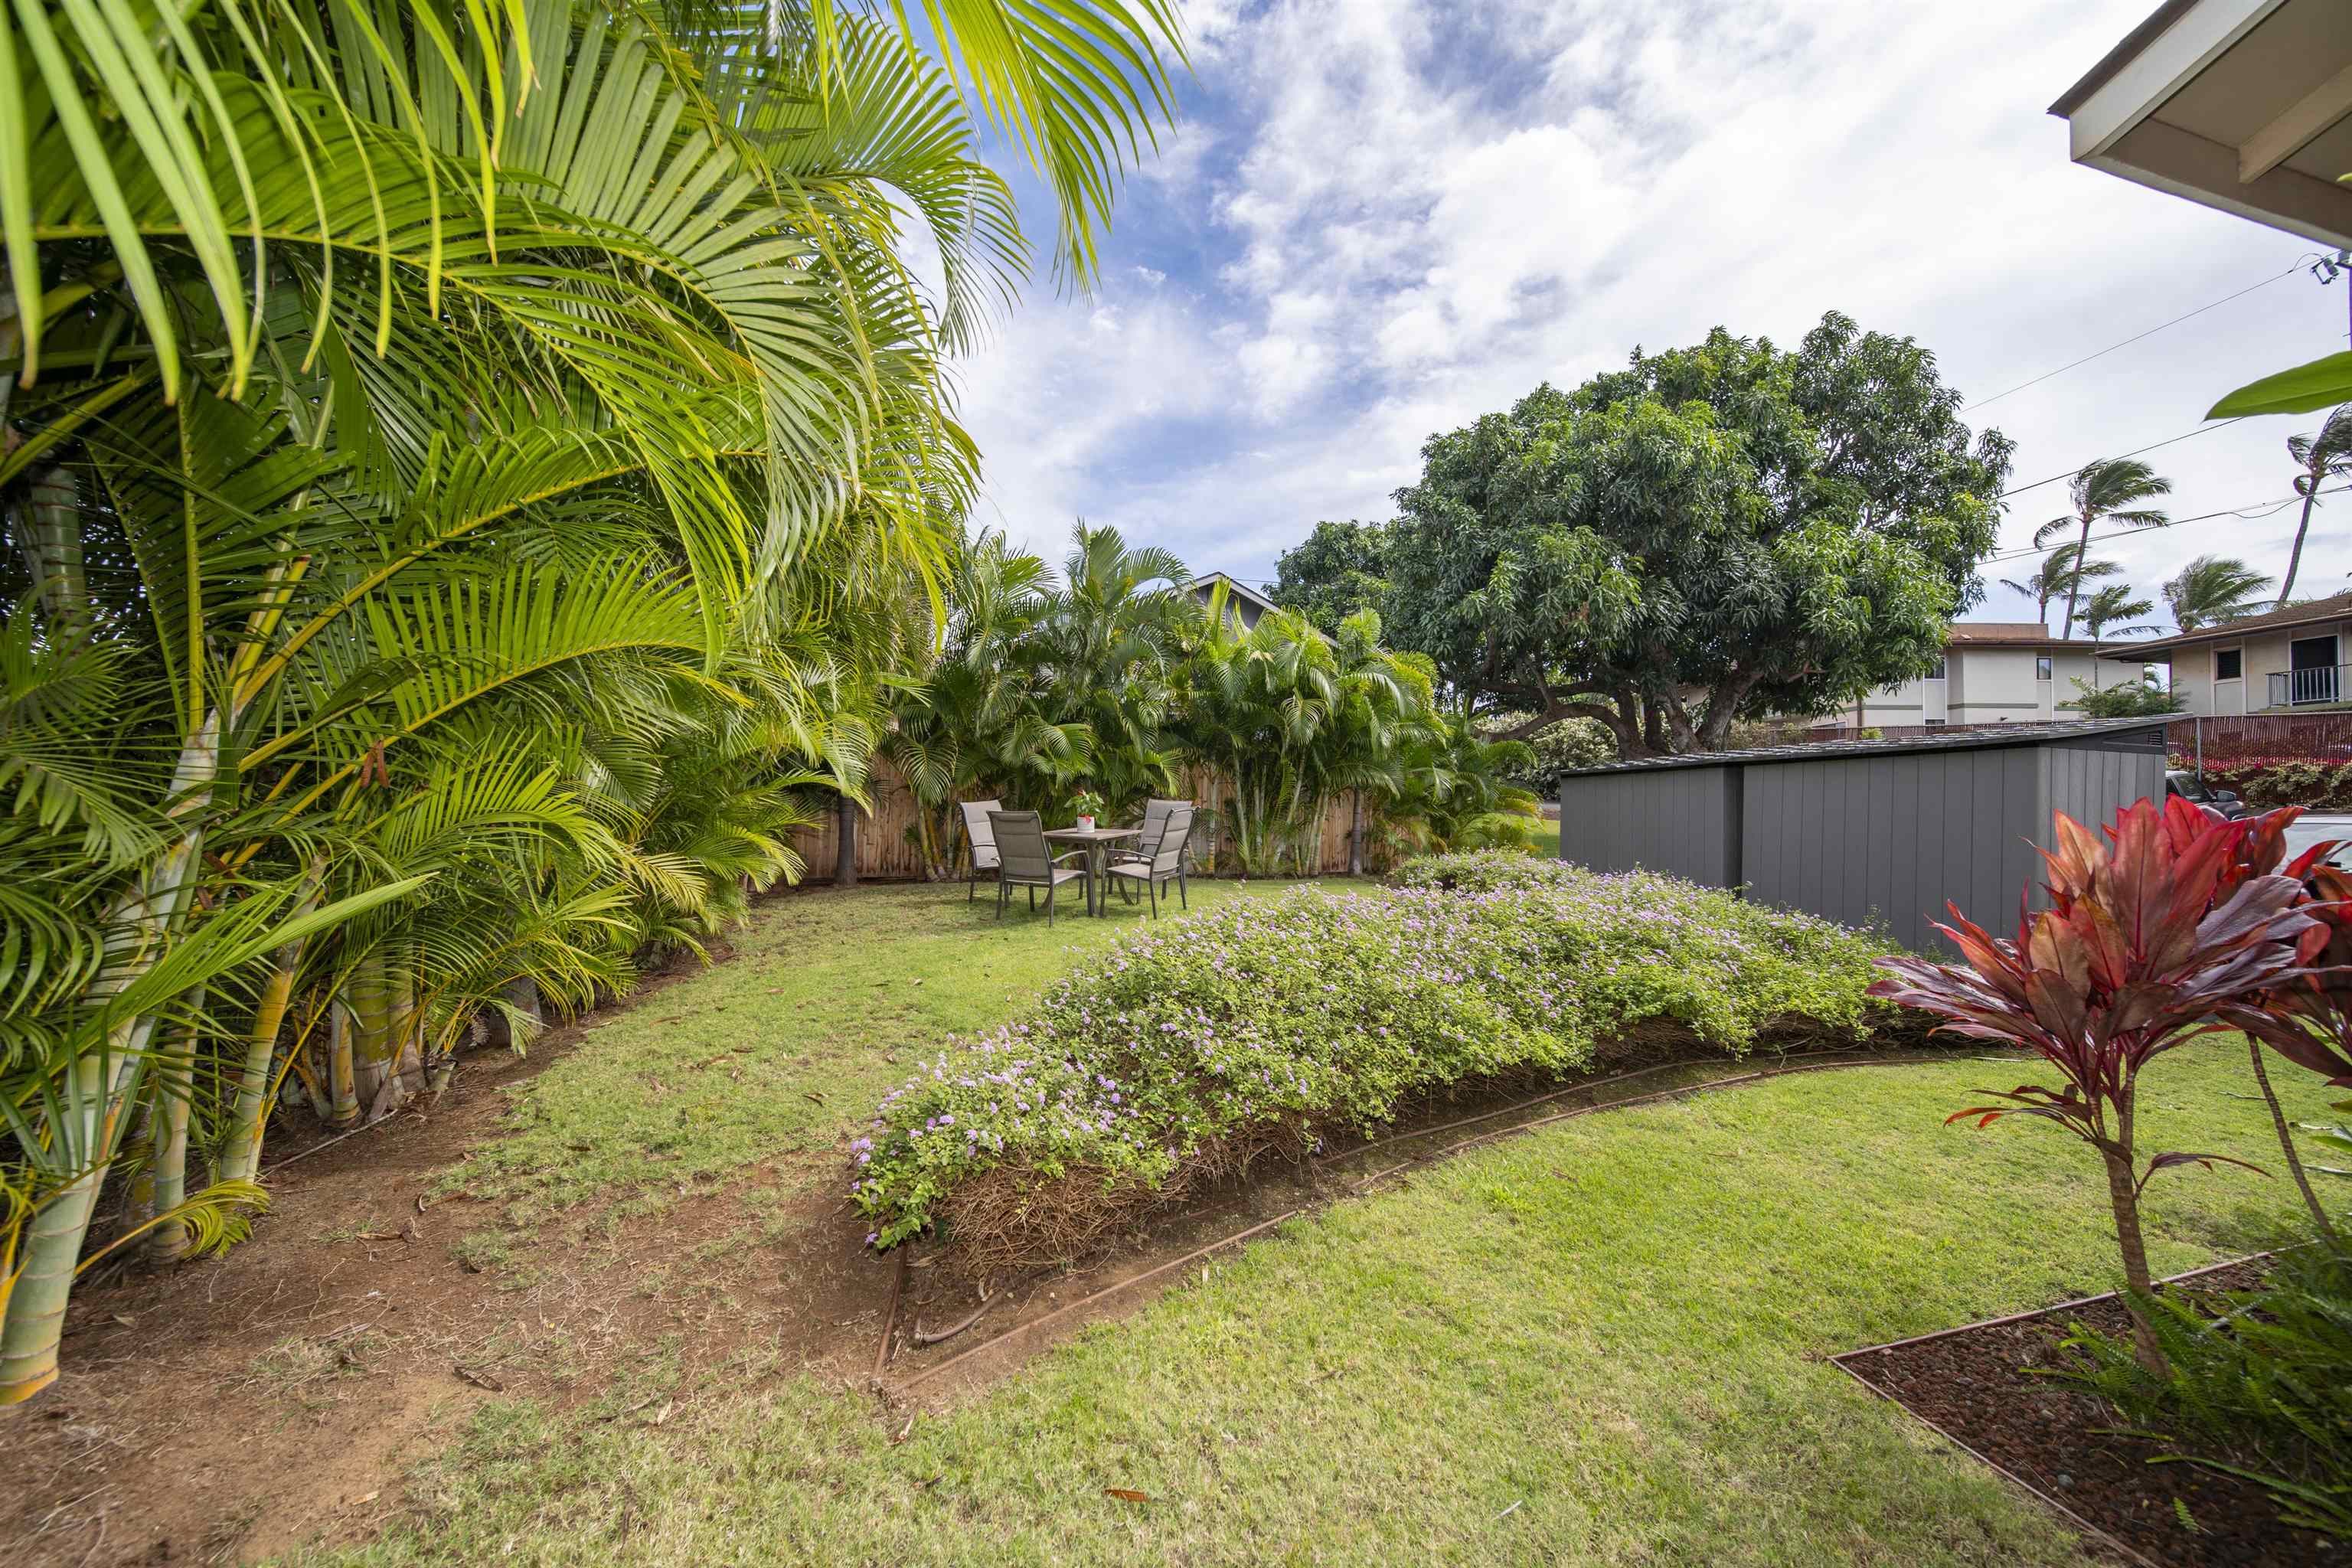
x,y
885,851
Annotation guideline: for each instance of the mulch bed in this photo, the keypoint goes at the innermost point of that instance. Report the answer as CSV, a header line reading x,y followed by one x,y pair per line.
x,y
1980,1386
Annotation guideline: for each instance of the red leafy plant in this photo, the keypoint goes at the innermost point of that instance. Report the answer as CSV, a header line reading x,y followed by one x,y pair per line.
x,y
2142,944
2308,1016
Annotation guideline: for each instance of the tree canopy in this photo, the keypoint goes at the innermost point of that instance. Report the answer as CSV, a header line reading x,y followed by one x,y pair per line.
x,y
1710,533
1337,570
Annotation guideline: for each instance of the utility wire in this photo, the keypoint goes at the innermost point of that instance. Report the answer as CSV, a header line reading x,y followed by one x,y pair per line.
x,y
2136,451
2136,337
2248,514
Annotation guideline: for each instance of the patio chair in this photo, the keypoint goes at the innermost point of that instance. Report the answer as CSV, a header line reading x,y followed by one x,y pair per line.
x,y
1164,865
980,841
1156,814
1025,859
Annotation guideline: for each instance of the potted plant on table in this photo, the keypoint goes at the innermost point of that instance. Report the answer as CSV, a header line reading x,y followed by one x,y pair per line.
x,y
1086,802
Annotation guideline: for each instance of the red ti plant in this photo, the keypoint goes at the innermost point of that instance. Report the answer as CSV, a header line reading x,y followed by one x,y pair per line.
x,y
2308,1016
2138,949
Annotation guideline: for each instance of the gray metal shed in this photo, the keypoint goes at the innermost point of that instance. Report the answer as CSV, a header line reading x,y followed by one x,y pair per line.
x,y
1866,831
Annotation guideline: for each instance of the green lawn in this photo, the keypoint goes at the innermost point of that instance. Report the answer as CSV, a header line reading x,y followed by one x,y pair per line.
x,y
1598,1344
784,1047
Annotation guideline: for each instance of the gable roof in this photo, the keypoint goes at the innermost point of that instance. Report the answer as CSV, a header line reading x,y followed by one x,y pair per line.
x,y
1233,585
2336,607
2009,634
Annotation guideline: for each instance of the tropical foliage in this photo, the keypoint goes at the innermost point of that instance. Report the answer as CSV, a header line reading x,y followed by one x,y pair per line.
x,y
1727,532
2113,490
2318,458
2148,935
473,478
2215,588
1192,1050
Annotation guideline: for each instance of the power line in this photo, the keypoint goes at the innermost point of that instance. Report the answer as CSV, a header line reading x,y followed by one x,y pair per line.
x,y
2135,452
2136,337
2249,513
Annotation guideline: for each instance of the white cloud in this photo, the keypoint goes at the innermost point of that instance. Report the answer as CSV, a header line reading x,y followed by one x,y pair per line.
x,y
1423,208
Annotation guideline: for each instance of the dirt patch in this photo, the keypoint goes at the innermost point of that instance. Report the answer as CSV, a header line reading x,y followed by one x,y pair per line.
x,y
236,1407
1986,1387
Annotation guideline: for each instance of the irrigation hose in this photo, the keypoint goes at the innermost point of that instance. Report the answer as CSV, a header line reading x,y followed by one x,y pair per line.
x,y
1682,1092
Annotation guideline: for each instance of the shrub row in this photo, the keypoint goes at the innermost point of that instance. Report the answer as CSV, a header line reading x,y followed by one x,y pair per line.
x,y
1195,1046
2282,781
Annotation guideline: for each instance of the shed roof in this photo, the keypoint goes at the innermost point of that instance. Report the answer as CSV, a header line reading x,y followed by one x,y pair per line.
x,y
1821,751
2011,634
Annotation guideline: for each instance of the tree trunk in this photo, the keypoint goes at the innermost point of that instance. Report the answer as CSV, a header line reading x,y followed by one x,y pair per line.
x,y
33,1308
49,537
2295,556
2074,578
2286,1144
343,1065
375,1021
240,1158
1355,833
521,994
173,1081
845,855
2123,1196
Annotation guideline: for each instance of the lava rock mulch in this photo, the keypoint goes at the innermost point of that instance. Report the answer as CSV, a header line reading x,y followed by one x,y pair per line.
x,y
1981,1385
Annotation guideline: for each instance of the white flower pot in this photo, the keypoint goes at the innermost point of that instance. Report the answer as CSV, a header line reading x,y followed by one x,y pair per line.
x,y
1086,825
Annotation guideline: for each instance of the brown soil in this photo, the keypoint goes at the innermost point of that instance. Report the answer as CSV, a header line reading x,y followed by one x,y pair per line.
x,y
1986,1386
236,1407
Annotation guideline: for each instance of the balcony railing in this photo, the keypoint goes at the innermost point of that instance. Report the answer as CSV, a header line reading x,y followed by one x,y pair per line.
x,y
2321,683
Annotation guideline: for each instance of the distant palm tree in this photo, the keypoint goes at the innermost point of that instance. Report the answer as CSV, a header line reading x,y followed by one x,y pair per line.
x,y
2110,605
2057,575
2109,491
2324,456
2215,588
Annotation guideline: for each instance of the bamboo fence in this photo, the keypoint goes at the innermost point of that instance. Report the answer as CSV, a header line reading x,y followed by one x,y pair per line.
x,y
887,849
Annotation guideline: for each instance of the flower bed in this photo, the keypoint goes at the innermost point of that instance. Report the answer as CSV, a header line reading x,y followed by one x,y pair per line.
x,y
2280,780
1195,1048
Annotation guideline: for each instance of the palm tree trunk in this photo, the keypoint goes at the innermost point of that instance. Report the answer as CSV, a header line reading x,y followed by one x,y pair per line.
x,y
173,1085
241,1146
2074,578
49,535
343,1066
2295,556
1355,833
33,1305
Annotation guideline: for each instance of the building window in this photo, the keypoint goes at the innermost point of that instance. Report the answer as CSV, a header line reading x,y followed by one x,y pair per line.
x,y
1935,723
2041,667
1935,673
2229,663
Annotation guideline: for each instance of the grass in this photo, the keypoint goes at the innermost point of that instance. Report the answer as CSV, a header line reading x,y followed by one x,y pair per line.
x,y
1598,1344
783,1048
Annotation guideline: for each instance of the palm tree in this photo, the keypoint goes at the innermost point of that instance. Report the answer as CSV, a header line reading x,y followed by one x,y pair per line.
x,y
359,427
2110,605
2109,491
2324,456
2057,575
2215,588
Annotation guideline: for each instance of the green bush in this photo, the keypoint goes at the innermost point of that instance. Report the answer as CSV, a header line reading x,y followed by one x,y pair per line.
x,y
2280,780
2261,1382
1195,1047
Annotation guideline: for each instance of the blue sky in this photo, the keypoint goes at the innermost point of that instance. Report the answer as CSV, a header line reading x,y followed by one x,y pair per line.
x,y
1378,219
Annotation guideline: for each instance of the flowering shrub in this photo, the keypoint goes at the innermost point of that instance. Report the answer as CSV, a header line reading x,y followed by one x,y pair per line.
x,y
1196,1046
1485,871
2306,782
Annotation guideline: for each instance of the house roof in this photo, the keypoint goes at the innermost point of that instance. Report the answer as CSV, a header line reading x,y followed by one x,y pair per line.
x,y
2242,105
1957,740
2009,634
2334,608
1233,585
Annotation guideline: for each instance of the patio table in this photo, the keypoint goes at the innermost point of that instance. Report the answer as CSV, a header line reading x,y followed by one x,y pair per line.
x,y
1095,841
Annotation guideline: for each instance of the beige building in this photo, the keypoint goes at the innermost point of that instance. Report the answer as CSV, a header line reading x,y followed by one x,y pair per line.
x,y
2283,661
1993,672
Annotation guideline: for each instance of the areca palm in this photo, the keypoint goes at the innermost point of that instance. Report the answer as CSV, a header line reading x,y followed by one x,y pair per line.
x,y
388,391
2321,458
1106,645
2109,491
2215,588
